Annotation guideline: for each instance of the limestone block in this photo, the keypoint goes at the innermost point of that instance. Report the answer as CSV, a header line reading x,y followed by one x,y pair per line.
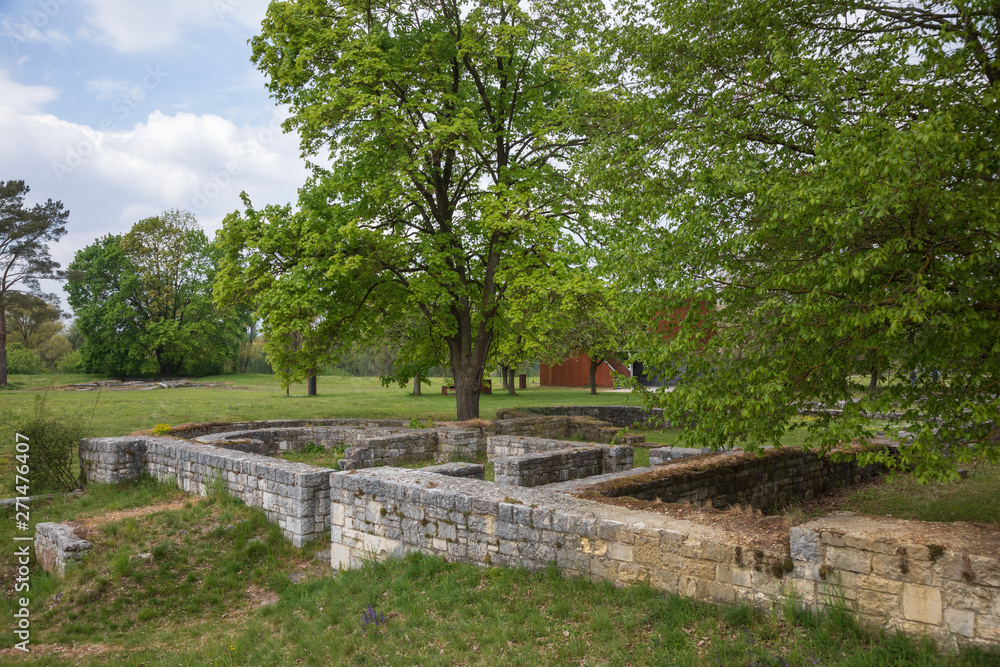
x,y
883,606
804,591
880,584
620,552
988,629
805,545
960,622
850,560
922,604
735,576
647,549
630,573
56,546
985,570
593,547
833,539
719,592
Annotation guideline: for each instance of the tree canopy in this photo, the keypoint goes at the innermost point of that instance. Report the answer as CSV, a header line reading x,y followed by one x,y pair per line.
x,y
143,301
24,252
825,176
449,129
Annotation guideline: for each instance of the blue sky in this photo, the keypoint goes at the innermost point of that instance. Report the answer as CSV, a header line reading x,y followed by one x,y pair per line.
x,y
123,109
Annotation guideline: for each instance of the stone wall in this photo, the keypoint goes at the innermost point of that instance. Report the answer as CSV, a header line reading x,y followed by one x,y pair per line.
x,y
295,496
57,545
893,573
458,469
113,460
462,443
775,477
384,443
389,511
527,461
936,579
272,441
396,449
620,416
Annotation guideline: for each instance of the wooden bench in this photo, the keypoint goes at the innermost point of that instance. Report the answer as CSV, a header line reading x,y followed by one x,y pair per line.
x,y
485,388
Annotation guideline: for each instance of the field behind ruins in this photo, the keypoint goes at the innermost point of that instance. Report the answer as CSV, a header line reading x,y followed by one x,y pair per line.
x,y
116,412
181,580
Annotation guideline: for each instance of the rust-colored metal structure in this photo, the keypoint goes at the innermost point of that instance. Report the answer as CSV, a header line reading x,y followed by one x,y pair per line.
x,y
575,372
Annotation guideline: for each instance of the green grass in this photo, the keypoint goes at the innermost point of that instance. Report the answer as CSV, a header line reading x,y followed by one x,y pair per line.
x,y
670,437
110,413
326,458
900,495
185,586
256,397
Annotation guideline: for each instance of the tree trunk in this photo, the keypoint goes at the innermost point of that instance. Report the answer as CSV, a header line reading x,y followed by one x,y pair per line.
x,y
594,363
503,375
873,384
311,391
3,346
467,385
510,381
468,362
416,384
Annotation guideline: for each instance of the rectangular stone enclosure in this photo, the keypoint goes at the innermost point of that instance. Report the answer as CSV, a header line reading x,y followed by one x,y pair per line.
x,y
551,505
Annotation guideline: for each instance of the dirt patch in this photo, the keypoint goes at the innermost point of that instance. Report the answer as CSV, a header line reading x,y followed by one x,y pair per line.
x,y
261,597
61,651
82,527
752,529
835,500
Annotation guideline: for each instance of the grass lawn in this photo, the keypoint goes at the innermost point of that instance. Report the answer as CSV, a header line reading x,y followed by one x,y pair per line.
x,y
108,413
201,581
181,580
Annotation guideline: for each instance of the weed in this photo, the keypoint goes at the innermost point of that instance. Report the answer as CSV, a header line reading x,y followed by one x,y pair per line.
x,y
370,618
53,445
161,429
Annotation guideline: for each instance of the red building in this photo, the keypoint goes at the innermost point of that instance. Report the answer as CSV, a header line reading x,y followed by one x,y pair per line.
x,y
575,372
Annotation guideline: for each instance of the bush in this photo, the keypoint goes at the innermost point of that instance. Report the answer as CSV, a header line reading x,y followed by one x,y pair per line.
x,y
22,361
71,362
53,446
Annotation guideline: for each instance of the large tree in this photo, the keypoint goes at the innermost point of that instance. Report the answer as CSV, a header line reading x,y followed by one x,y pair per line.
x,y
24,252
143,301
449,128
34,320
825,174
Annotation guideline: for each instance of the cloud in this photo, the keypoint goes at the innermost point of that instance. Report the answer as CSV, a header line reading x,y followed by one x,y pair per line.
x,y
23,98
130,27
25,31
106,88
110,180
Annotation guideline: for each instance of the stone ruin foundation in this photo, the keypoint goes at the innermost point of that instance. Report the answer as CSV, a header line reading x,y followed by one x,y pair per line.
x,y
556,500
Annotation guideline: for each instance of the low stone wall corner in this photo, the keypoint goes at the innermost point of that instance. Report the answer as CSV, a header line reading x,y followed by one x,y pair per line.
x,y
56,546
